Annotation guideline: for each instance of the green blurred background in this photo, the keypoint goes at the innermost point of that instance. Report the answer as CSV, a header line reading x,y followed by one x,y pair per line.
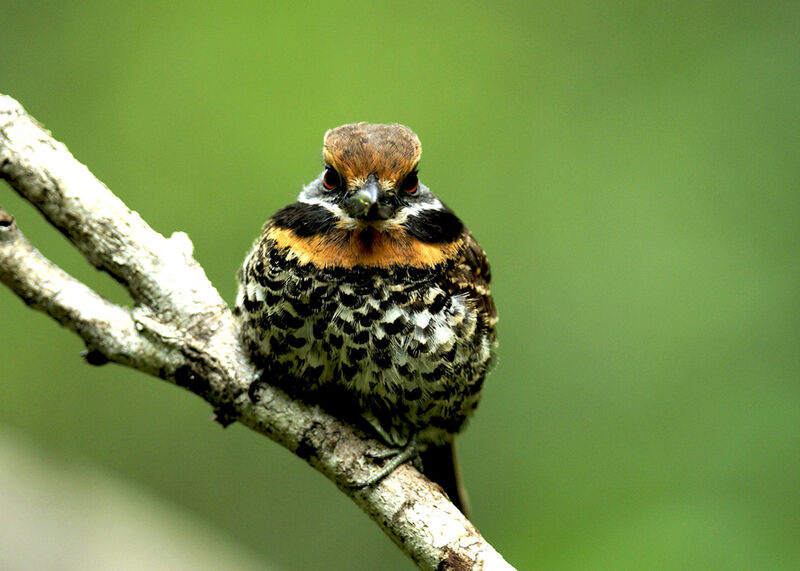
x,y
631,168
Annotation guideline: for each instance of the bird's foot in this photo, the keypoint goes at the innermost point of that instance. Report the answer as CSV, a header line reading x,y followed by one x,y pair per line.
x,y
398,456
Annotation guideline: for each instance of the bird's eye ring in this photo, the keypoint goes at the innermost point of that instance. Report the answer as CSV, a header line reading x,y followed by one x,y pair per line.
x,y
331,179
411,184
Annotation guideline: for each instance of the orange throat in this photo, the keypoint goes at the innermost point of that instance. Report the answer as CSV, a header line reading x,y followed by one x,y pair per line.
x,y
367,247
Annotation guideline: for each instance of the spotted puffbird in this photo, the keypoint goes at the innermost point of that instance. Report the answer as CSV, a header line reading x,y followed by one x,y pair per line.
x,y
369,297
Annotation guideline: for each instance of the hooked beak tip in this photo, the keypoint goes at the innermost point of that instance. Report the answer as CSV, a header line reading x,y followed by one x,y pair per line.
x,y
366,204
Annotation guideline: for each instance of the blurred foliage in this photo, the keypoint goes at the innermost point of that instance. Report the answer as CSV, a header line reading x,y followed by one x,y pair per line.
x,y
61,514
631,169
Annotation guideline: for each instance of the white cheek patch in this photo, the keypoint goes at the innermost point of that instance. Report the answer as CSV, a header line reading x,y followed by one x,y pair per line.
x,y
409,211
334,208
345,221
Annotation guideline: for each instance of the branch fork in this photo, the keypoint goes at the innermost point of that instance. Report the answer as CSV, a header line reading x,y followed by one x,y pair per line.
x,y
180,330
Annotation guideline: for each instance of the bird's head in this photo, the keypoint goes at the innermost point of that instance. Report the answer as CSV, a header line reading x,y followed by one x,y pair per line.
x,y
370,177
368,206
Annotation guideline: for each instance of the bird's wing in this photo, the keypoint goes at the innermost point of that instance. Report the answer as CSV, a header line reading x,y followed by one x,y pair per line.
x,y
471,276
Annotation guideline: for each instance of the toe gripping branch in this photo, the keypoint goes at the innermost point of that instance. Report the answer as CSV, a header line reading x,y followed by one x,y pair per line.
x,y
397,457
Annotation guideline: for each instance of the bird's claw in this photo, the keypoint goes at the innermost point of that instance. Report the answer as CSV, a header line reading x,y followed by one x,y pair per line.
x,y
398,456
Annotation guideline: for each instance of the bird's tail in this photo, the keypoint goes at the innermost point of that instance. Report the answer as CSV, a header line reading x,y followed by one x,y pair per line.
x,y
440,464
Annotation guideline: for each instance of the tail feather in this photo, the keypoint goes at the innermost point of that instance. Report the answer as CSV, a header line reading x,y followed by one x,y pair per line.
x,y
440,464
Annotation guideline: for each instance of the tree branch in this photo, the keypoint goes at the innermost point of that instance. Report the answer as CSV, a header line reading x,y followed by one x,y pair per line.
x,y
109,329
181,330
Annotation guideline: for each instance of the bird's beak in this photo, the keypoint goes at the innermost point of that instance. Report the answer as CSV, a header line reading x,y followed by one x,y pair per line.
x,y
368,202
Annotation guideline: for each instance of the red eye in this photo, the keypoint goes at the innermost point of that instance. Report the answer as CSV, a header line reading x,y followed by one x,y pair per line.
x,y
331,179
410,184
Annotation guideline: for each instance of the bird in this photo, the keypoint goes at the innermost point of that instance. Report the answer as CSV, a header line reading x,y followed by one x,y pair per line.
x,y
369,297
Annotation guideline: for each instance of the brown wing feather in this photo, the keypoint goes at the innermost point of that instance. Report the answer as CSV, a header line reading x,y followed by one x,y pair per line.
x,y
471,276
